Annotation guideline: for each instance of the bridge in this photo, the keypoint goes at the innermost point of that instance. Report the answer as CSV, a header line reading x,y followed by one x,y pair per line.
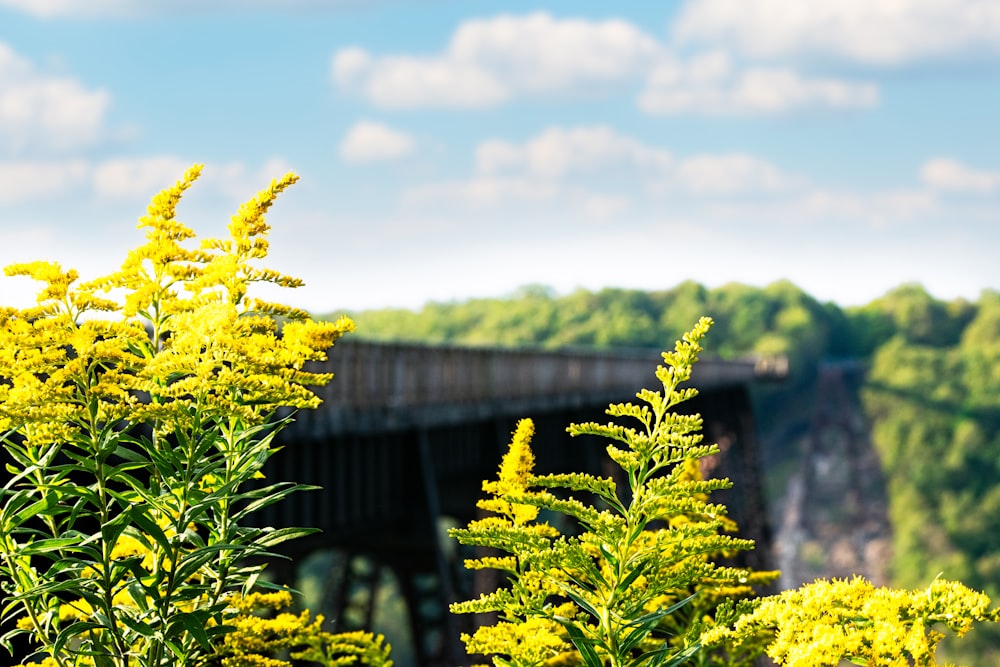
x,y
407,433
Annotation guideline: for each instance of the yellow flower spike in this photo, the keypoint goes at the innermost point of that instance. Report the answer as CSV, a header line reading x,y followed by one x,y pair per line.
x,y
518,463
127,547
80,610
229,272
150,271
164,204
515,471
57,281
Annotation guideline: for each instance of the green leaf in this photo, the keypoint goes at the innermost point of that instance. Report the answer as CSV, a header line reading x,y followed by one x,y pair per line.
x,y
655,616
49,545
579,600
584,644
71,631
137,515
138,594
643,626
192,562
30,511
195,624
275,493
103,660
132,454
273,537
135,625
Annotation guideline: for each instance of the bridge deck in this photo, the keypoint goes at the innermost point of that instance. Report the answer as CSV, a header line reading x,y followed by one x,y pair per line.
x,y
387,387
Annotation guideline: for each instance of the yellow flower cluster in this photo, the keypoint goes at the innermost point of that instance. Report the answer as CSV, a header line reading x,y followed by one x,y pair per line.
x,y
139,402
187,337
826,622
258,638
536,641
515,471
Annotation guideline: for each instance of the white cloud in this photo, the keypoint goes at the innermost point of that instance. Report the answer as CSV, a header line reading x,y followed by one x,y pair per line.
x,y
537,52
237,180
516,200
903,204
733,174
71,8
410,82
135,178
951,175
602,207
350,67
557,152
39,110
368,141
821,206
566,153
481,192
709,84
879,32
25,181
490,61
90,9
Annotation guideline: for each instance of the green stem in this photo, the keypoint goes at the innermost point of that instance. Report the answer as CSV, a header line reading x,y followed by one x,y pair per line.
x,y
107,586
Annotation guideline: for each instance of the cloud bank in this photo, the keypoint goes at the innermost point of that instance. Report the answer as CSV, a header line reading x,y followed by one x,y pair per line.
x,y
46,112
869,32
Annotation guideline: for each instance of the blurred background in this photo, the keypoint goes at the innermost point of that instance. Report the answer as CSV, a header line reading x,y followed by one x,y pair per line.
x,y
823,179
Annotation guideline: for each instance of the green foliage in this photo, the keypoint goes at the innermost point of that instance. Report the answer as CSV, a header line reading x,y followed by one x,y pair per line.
x,y
780,318
910,312
635,585
936,424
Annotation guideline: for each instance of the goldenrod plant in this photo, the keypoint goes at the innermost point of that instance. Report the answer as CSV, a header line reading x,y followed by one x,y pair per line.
x,y
606,594
264,628
825,622
258,637
134,410
636,584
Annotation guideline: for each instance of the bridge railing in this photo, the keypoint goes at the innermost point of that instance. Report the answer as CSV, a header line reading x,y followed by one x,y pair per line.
x,y
399,379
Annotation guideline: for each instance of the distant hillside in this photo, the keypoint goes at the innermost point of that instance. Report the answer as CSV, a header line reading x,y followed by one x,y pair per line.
x,y
747,319
779,318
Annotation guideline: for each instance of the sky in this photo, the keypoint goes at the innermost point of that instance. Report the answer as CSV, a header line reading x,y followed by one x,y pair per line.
x,y
453,150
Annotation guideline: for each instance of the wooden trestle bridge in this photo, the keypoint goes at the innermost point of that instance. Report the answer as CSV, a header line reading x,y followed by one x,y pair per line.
x,y
407,433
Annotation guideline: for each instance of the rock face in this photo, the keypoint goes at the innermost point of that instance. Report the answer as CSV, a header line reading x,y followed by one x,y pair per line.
x,y
834,516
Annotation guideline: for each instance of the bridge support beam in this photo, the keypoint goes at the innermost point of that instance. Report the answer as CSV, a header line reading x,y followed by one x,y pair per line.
x,y
451,652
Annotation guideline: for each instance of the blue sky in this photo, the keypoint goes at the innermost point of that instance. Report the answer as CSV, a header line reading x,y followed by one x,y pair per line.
x,y
450,150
